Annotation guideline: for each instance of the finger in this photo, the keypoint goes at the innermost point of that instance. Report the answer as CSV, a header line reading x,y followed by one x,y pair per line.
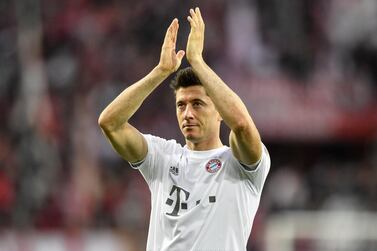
x,y
175,33
194,17
167,34
180,56
174,28
192,23
192,12
189,19
199,14
169,37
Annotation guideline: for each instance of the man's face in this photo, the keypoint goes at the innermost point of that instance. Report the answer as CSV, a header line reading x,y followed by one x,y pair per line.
x,y
197,116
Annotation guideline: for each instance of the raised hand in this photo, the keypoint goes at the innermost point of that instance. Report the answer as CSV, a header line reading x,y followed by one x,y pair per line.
x,y
195,40
169,59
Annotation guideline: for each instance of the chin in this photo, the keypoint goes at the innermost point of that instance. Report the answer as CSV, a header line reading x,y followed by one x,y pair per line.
x,y
189,136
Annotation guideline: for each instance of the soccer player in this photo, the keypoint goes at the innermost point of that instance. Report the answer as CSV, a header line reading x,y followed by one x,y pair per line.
x,y
204,195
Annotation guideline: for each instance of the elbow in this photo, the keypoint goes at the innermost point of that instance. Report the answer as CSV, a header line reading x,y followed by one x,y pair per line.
x,y
241,126
101,120
104,122
109,123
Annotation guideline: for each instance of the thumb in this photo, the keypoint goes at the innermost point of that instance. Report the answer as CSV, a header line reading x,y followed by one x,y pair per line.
x,y
180,55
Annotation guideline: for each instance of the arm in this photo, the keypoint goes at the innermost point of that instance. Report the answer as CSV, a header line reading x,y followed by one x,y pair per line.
x,y
244,137
125,138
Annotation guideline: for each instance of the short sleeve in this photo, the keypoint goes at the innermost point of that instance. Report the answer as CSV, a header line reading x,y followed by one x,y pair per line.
x,y
258,174
158,153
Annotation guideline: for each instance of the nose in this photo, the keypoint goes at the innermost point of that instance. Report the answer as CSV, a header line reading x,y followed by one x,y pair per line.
x,y
188,113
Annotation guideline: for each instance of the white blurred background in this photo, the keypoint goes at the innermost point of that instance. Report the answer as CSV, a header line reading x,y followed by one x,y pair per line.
x,y
307,71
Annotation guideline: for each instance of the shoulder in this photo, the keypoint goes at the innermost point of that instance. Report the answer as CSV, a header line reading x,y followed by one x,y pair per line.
x,y
158,149
264,162
161,144
255,175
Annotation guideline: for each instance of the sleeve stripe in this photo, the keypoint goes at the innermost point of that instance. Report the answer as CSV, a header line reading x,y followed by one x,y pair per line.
x,y
251,167
136,164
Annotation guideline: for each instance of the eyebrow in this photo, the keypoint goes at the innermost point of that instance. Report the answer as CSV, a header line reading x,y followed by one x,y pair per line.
x,y
191,101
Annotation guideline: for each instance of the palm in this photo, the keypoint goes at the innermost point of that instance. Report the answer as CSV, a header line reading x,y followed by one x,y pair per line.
x,y
195,40
169,59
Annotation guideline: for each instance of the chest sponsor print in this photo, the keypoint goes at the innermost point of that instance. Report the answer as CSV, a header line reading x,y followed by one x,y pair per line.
x,y
213,165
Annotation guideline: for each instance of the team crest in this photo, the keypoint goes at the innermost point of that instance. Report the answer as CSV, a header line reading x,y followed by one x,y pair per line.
x,y
213,165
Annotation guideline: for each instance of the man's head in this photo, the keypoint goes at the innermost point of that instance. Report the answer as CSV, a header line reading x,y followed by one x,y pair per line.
x,y
197,116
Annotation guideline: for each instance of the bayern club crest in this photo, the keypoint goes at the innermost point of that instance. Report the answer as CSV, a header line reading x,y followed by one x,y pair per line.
x,y
213,165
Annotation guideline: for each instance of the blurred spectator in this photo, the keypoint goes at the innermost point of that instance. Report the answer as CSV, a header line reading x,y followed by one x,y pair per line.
x,y
306,69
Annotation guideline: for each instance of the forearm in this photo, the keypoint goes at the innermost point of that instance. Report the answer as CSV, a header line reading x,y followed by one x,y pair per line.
x,y
244,138
227,102
120,110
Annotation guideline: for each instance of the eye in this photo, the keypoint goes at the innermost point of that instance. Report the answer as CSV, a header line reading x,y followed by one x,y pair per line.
x,y
196,104
180,106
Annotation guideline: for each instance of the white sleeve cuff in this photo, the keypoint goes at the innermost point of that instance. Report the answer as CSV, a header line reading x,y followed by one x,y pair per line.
x,y
250,167
136,165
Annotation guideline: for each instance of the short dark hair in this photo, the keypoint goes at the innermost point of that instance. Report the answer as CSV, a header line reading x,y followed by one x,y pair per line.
x,y
184,78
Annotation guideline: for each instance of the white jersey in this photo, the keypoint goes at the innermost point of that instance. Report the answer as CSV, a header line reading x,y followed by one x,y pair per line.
x,y
201,200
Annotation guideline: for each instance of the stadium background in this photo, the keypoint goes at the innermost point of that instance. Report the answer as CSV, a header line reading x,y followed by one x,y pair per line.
x,y
306,70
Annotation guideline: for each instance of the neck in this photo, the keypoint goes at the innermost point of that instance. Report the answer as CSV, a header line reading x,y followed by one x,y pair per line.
x,y
204,145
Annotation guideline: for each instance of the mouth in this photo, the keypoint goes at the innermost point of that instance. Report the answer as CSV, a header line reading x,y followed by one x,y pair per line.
x,y
188,126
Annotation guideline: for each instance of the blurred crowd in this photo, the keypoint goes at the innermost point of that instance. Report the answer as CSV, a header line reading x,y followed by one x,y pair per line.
x,y
62,62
